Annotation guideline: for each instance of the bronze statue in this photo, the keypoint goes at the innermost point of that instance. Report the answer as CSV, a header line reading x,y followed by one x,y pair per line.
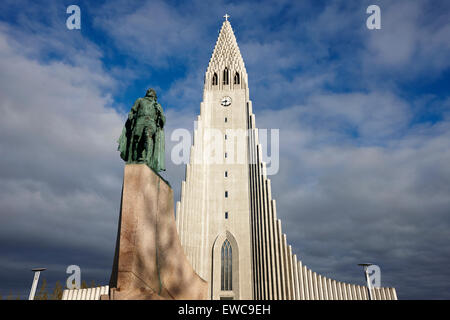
x,y
142,138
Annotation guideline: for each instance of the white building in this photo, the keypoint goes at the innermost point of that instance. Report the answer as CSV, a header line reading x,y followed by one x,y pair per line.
x,y
227,219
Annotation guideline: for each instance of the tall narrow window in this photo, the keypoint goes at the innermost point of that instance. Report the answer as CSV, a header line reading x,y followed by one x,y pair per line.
x,y
226,174
226,194
237,80
226,119
225,76
214,79
226,272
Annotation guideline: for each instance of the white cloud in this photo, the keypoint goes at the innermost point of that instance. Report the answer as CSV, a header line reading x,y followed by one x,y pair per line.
x,y
60,176
413,40
152,31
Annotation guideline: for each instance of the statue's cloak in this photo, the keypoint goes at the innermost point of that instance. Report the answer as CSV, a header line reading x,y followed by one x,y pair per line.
x,y
123,140
159,151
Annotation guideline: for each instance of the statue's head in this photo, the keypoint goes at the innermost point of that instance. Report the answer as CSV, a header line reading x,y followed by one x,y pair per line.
x,y
151,93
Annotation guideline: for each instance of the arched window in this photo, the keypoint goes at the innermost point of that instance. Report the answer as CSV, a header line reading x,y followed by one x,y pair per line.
x,y
226,272
214,79
237,80
225,76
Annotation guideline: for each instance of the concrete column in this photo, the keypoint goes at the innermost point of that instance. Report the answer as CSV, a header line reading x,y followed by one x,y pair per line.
x,y
325,288
394,294
311,285
312,294
203,242
347,291
83,294
351,288
382,295
320,286
265,228
315,284
338,290
253,212
300,281
182,217
344,291
177,216
258,221
358,292
190,216
291,271
350,291
330,289
276,244
354,293
305,282
282,265
296,278
256,244
286,268
376,293
273,278
187,215
335,290
387,293
91,294
364,292
196,220
263,222
266,239
97,292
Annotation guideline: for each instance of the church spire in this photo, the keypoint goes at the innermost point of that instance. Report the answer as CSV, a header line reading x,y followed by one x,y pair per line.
x,y
226,69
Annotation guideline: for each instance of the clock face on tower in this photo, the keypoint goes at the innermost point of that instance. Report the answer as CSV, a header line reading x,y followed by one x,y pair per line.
x,y
226,101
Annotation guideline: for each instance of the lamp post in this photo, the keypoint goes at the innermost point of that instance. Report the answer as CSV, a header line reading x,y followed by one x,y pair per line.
x,y
37,272
366,275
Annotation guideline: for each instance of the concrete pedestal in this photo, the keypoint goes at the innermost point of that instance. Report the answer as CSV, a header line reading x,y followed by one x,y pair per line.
x,y
149,262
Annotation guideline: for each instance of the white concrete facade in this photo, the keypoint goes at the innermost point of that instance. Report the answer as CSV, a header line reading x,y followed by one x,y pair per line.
x,y
85,294
226,200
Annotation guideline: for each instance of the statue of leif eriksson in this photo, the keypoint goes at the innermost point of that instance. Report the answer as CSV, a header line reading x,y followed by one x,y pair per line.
x,y
142,138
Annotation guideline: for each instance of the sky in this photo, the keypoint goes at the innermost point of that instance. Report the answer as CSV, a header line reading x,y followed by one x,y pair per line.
x,y
364,120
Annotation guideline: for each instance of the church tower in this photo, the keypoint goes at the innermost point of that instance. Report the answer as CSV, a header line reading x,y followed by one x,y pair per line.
x,y
226,218
213,216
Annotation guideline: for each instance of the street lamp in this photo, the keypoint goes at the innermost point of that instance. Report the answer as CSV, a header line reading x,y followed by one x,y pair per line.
x,y
37,272
366,275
